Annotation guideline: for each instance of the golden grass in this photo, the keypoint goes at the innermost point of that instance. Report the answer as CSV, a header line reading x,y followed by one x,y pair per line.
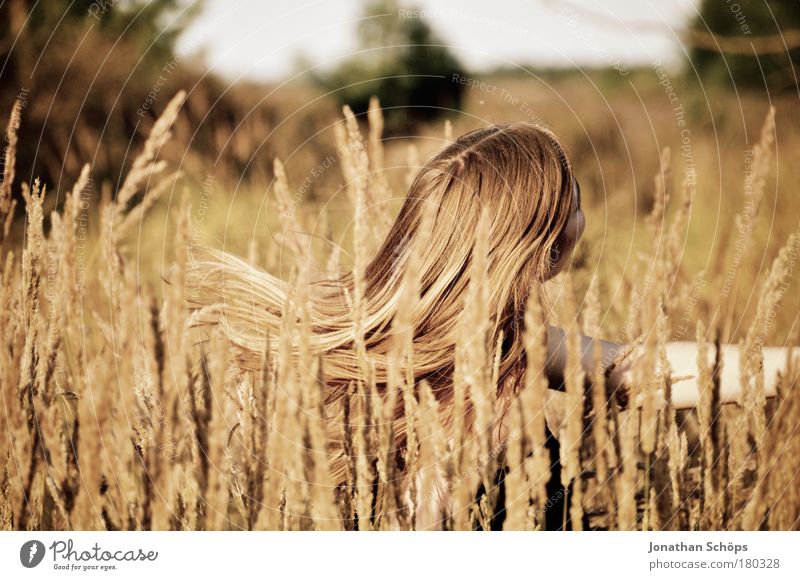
x,y
117,416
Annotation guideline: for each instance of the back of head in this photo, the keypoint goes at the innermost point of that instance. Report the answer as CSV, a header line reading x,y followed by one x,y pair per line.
x,y
517,175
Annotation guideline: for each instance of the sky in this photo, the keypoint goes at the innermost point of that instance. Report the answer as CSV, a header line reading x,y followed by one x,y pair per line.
x,y
263,39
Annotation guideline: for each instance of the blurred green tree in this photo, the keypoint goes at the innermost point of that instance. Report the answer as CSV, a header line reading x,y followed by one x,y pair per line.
x,y
86,70
403,62
749,21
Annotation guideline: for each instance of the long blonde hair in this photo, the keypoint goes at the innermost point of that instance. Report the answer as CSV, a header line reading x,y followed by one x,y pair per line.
x,y
517,174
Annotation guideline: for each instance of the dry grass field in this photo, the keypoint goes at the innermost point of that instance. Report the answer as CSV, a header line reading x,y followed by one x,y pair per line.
x,y
120,412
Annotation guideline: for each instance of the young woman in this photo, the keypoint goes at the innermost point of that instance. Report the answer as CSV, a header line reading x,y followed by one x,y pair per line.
x,y
520,175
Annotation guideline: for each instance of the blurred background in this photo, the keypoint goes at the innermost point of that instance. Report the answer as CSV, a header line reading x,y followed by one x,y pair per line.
x,y
619,81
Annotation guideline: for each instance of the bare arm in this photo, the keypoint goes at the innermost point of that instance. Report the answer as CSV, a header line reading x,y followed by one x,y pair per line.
x,y
557,358
683,360
682,357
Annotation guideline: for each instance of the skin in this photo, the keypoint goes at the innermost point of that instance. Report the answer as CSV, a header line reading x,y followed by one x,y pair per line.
x,y
572,234
682,356
557,349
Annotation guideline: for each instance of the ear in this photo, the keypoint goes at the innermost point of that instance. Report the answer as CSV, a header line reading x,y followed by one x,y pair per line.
x,y
555,254
553,258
